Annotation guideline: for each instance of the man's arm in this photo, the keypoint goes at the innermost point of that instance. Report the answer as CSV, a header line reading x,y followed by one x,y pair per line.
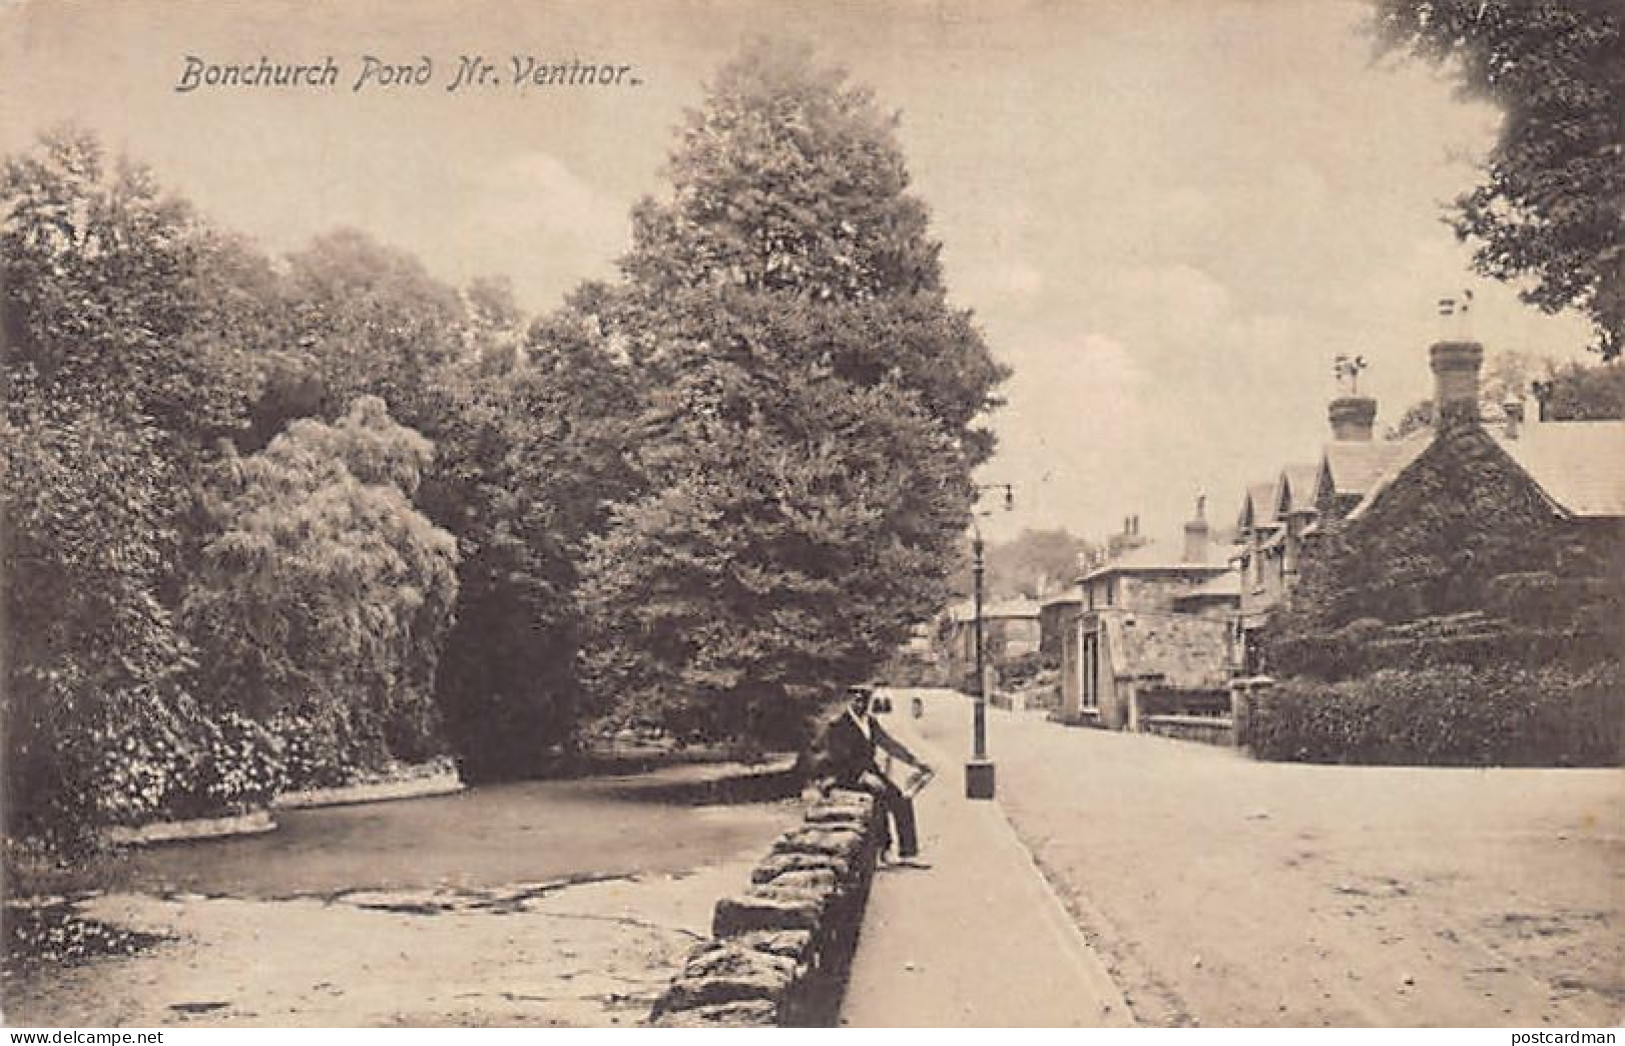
x,y
897,749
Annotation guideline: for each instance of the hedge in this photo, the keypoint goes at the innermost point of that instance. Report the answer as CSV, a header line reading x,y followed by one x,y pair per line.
x,y
1366,645
1445,715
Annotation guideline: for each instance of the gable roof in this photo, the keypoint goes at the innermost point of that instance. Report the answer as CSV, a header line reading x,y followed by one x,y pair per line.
x,y
1257,506
1295,490
1578,465
1354,467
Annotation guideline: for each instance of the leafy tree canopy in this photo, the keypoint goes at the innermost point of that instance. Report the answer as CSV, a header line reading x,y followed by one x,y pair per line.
x,y
809,409
1552,201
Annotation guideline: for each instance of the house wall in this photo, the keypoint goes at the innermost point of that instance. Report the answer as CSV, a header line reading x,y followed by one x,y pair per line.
x,y
1003,638
1054,621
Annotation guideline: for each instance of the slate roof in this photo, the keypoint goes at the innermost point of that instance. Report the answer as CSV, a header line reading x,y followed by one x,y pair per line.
x,y
1579,464
1356,466
1159,557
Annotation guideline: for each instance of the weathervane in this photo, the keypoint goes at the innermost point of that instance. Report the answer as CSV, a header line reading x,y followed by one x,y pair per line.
x,y
1459,309
1347,369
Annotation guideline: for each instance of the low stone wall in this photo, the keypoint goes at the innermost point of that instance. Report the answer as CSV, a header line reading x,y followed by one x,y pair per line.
x,y
780,951
1210,730
445,783
251,823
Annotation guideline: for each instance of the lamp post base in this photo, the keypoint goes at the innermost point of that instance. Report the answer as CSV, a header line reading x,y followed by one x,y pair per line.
x,y
979,779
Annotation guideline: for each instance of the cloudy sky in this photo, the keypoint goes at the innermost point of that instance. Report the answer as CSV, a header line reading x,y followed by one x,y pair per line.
x,y
1169,217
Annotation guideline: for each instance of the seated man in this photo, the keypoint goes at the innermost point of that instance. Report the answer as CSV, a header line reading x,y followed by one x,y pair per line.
x,y
848,758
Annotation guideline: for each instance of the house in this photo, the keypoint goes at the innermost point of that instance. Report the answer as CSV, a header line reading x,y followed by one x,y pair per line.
x,y
1279,517
1010,630
1568,477
1151,628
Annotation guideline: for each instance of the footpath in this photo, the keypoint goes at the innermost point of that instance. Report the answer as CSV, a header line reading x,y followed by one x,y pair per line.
x,y
978,939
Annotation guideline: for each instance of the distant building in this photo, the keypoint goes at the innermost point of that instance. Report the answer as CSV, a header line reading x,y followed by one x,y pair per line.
x,y
1010,629
1280,515
1151,625
1056,614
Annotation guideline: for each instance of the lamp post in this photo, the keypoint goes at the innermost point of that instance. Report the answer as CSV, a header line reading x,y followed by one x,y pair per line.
x,y
979,777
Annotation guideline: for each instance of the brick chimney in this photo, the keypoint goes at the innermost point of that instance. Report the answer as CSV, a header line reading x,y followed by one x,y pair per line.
x,y
1455,382
1196,534
1352,418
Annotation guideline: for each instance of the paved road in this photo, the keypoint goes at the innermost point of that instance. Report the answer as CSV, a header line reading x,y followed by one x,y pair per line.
x,y
1226,892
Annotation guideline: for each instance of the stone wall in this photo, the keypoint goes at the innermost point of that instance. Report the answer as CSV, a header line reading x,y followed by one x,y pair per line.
x,y
1208,730
780,951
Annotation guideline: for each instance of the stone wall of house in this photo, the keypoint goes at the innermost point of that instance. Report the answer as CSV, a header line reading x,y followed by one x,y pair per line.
x,y
779,952
1180,649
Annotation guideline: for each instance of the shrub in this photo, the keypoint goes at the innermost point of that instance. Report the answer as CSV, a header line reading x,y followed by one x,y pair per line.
x,y
240,768
1451,714
166,765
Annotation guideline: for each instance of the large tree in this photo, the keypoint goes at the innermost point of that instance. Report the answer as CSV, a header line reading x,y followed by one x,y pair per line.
x,y
811,405
1552,201
536,448
126,358
324,594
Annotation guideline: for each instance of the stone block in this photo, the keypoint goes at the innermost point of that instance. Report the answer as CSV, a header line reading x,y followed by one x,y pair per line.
x,y
722,972
789,944
843,842
746,1013
744,914
841,810
812,880
774,865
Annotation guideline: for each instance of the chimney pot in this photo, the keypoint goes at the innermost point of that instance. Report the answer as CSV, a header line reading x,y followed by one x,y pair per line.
x,y
1513,409
1196,535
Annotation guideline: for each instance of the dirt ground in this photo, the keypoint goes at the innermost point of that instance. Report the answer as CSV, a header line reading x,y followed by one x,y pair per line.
x,y
553,904
1227,892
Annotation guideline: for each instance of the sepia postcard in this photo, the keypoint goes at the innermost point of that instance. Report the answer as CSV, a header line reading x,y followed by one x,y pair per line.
x,y
775,513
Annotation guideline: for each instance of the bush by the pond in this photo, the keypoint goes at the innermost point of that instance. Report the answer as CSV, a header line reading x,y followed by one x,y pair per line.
x,y
175,768
1456,715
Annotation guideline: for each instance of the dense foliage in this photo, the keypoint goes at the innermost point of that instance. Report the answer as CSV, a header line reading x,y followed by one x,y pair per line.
x,y
1431,545
1445,715
324,594
1456,620
1034,563
1552,201
532,459
808,418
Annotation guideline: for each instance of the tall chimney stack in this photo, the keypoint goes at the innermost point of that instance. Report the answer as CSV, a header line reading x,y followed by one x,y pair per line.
x,y
1352,418
1196,534
1455,382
